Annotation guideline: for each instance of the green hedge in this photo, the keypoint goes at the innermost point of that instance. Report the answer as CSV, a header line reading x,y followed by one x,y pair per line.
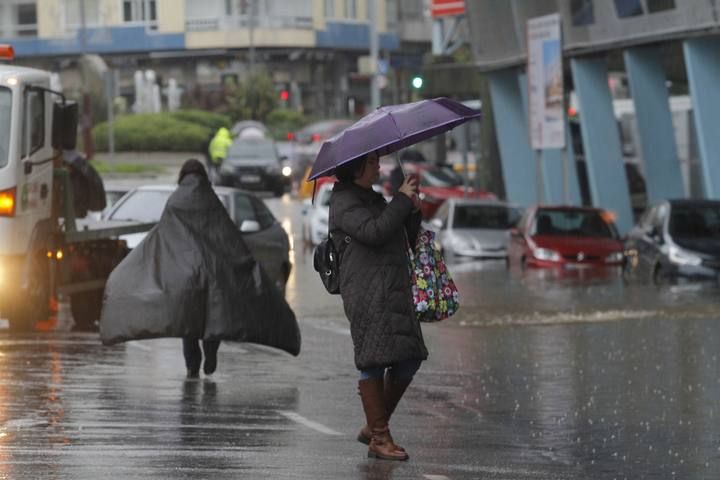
x,y
182,131
201,117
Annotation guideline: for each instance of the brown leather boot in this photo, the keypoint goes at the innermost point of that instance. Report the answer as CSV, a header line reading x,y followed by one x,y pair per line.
x,y
381,444
393,390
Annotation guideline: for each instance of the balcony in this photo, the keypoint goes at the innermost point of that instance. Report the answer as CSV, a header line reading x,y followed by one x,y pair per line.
x,y
242,22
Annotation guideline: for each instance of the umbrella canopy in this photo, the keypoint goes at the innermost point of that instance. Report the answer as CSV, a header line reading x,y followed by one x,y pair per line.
x,y
389,129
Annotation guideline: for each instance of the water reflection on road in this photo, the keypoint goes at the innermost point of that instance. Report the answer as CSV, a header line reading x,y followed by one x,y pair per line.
x,y
506,297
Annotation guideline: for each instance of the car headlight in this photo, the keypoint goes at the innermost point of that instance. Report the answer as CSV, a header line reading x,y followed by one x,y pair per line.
x,y
682,257
546,254
286,171
460,243
614,257
226,168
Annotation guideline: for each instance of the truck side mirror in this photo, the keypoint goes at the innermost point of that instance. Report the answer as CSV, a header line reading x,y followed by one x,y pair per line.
x,y
65,124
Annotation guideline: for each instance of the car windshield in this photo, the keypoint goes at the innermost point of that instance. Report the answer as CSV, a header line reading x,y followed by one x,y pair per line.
x,y
701,221
440,177
147,206
577,223
142,206
492,217
250,150
5,108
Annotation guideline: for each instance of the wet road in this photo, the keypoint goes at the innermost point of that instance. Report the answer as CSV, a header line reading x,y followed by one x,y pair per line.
x,y
568,377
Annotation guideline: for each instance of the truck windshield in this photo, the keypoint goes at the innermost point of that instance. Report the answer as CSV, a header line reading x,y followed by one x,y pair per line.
x,y
5,105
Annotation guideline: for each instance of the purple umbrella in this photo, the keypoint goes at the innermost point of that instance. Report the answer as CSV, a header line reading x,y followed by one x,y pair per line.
x,y
389,129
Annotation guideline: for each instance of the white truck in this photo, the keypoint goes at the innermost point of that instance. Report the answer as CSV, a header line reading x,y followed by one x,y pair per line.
x,y
44,252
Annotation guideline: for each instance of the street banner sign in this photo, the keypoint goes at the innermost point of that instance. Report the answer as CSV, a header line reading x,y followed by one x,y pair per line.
x,y
545,83
447,8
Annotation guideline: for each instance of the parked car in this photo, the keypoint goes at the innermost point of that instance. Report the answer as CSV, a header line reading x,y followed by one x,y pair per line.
x,y
474,228
673,240
563,236
320,131
438,183
316,215
112,195
264,236
254,164
249,128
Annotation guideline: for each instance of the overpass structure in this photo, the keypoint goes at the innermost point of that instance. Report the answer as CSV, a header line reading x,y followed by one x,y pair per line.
x,y
652,52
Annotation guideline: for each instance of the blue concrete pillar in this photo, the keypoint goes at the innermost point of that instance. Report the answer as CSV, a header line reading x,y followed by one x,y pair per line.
x,y
601,140
663,177
516,156
702,61
551,161
553,176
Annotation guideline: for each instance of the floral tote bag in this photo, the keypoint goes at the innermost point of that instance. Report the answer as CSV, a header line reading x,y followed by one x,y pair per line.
x,y
434,292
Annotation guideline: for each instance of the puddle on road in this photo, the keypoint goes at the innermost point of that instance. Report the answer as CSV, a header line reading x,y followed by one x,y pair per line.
x,y
492,295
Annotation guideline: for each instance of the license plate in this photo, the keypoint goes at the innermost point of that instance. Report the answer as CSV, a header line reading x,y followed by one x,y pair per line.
x,y
250,178
577,266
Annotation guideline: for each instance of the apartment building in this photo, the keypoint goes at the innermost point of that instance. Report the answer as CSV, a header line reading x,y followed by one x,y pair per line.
x,y
313,48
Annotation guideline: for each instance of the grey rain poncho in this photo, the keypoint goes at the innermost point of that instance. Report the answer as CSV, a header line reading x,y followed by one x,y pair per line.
x,y
193,276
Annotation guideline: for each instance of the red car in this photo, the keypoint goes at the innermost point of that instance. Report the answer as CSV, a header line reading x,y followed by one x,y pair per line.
x,y
437,184
562,236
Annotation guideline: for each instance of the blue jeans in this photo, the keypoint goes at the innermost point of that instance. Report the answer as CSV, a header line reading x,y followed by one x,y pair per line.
x,y
404,370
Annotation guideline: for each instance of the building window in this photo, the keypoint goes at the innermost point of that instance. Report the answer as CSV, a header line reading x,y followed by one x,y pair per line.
x,y
74,14
582,12
25,19
350,8
660,5
628,8
329,8
410,10
140,11
391,14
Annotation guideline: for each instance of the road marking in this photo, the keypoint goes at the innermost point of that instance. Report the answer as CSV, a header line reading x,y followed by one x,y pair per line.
x,y
234,348
295,417
139,345
331,328
436,477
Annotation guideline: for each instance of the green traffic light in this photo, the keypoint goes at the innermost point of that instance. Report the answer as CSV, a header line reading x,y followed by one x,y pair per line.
x,y
417,82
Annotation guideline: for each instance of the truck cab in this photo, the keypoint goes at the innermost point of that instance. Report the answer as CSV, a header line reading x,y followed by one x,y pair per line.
x,y
42,253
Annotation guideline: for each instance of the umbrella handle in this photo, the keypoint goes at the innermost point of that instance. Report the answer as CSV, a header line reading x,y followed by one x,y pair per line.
x,y
397,158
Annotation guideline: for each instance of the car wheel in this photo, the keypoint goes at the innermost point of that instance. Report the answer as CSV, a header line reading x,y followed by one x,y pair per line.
x,y
660,275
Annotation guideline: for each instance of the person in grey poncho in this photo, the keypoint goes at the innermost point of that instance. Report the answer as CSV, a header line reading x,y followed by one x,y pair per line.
x,y
194,277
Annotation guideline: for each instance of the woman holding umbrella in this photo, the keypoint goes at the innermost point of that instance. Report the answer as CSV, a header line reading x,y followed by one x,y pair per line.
x,y
376,292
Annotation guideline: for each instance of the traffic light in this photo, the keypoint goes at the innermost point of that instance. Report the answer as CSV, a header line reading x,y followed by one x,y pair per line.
x,y
417,82
284,95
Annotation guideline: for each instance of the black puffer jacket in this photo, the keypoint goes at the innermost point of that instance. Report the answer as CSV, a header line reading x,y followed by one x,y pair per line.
x,y
374,278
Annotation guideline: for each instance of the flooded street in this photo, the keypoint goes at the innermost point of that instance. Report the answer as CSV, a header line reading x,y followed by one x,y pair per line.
x,y
539,376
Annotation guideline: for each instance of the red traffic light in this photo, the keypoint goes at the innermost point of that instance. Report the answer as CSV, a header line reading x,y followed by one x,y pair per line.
x,y
284,95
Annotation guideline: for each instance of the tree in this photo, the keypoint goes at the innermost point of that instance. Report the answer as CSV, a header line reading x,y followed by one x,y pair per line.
x,y
252,99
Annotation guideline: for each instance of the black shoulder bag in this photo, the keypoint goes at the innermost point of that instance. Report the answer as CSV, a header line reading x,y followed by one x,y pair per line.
x,y
326,261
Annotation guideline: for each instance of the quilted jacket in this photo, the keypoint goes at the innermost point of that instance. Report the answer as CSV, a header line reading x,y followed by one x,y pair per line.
x,y
374,277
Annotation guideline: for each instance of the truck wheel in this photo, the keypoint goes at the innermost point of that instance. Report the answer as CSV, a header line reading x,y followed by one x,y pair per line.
x,y
86,308
36,305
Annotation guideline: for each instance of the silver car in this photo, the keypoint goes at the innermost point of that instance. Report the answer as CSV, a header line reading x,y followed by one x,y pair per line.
x,y
265,237
474,228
